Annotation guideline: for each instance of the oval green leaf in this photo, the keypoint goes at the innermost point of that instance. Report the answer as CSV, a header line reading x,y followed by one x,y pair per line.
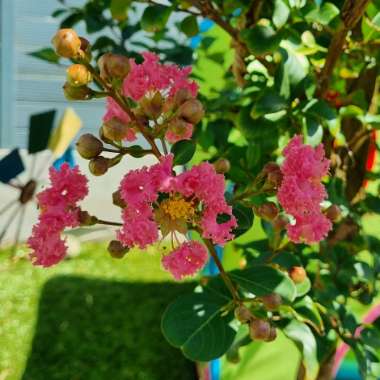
x,y
195,324
183,151
262,280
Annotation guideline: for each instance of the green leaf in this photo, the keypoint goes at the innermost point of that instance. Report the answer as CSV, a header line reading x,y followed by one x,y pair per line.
x,y
155,18
306,343
370,29
268,102
262,280
261,39
244,217
183,151
189,26
119,9
308,312
46,54
323,14
303,287
280,14
195,324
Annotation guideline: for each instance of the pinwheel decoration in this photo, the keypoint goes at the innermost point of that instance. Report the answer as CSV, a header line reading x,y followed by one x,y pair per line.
x,y
43,137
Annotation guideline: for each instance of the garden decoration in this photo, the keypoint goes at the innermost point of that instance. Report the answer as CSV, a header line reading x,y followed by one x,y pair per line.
x,y
42,136
288,123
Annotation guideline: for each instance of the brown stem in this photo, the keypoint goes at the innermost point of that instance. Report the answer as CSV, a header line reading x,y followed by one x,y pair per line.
x,y
207,10
108,223
352,12
223,274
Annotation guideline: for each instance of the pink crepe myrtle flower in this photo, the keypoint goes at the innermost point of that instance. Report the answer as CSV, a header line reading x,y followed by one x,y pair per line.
x,y
147,78
59,210
301,191
157,199
186,260
151,76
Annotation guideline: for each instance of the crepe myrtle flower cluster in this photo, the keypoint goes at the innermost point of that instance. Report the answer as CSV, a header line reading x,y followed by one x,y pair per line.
x,y
155,199
58,210
301,192
159,102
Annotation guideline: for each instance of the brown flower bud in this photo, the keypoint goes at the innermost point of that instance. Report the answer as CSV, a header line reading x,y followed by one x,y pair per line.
x,y
297,274
243,314
273,174
88,146
181,96
78,75
222,166
267,211
117,200
272,334
116,249
279,223
85,219
115,130
334,213
67,43
272,301
98,165
259,329
191,111
77,93
113,66
152,107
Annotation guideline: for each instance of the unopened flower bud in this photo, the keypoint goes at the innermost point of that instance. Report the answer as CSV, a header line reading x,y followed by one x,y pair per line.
x,y
272,334
279,223
113,66
117,200
259,329
152,107
273,175
243,314
98,165
222,166
115,130
267,211
67,43
191,111
181,96
297,274
78,75
85,47
334,213
272,301
116,249
88,146
77,93
85,219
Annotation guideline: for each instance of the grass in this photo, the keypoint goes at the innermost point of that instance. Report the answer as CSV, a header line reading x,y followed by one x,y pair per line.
x,y
91,317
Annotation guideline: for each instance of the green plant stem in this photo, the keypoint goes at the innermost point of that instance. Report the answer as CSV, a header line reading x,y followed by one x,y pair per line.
x,y
223,274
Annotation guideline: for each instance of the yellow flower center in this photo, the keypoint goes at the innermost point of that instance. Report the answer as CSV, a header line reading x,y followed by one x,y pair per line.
x,y
177,208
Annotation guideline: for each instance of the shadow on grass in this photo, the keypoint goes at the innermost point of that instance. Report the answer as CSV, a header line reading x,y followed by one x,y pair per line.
x,y
98,330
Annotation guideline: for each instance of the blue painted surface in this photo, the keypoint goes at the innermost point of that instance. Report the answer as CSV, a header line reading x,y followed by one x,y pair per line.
x,y
348,371
68,157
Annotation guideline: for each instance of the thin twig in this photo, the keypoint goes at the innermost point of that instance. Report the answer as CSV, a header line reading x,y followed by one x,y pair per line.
x,y
223,274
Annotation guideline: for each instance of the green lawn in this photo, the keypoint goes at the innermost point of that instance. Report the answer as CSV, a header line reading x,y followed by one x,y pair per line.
x,y
91,317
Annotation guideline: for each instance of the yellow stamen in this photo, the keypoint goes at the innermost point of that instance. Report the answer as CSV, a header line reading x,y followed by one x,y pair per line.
x,y
178,208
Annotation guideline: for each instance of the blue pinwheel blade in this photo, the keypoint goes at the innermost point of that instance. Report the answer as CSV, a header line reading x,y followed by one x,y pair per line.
x,y
11,166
